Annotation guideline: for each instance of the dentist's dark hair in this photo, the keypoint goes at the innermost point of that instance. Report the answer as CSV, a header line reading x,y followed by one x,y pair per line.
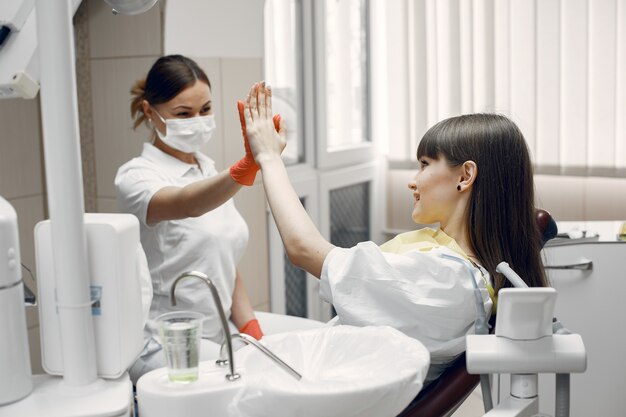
x,y
501,212
168,76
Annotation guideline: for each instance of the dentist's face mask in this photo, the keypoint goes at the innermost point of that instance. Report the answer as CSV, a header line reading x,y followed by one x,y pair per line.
x,y
187,135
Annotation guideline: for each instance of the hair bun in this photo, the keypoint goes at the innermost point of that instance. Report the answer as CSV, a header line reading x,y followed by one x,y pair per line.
x,y
138,93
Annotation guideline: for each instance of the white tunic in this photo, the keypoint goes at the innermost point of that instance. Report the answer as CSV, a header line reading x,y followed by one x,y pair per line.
x,y
212,243
418,292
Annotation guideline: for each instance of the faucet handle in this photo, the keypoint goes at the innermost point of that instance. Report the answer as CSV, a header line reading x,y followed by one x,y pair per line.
x,y
223,357
249,340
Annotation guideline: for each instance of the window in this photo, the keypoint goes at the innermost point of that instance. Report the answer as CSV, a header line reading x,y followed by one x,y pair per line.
x,y
555,67
345,27
318,63
283,70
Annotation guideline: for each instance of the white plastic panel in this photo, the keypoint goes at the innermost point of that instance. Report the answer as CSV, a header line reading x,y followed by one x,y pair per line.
x,y
111,247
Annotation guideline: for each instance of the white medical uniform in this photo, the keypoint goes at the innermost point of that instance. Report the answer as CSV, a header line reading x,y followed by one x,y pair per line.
x,y
212,243
408,285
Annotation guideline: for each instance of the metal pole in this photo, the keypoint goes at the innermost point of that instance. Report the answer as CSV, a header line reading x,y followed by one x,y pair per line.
x,y
59,112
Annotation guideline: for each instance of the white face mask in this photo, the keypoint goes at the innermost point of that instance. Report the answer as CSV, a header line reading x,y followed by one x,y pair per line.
x,y
187,135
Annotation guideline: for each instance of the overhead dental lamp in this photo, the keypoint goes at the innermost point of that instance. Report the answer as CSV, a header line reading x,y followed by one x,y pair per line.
x,y
19,62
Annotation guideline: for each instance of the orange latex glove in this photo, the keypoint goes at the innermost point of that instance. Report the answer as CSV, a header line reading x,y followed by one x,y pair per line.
x,y
244,171
252,328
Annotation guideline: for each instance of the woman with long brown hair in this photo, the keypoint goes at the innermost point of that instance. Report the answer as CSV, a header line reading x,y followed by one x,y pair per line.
x,y
475,180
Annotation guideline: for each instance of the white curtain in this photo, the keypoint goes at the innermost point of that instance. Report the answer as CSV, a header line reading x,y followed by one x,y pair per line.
x,y
556,67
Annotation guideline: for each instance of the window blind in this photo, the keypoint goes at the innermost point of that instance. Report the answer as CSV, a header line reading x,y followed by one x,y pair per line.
x,y
556,67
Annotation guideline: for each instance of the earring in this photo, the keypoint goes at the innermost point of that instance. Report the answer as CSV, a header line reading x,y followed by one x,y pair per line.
x,y
458,187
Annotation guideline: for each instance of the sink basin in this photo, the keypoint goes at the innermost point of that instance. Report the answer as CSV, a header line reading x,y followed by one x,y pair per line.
x,y
346,371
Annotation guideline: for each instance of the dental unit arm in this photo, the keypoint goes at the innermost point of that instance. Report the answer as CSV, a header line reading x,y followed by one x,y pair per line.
x,y
37,55
525,344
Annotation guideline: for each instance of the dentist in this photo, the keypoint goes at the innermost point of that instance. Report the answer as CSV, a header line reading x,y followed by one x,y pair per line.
x,y
188,220
475,180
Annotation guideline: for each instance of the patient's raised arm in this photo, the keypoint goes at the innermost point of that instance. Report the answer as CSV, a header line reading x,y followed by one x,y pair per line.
x,y
304,244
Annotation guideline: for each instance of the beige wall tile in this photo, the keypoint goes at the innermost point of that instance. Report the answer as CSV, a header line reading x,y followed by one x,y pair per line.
x,y
35,350
238,75
122,35
215,148
605,199
21,166
107,205
115,140
254,265
83,89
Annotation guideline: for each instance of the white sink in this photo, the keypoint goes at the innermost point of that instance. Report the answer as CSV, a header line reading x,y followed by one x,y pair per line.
x,y
346,371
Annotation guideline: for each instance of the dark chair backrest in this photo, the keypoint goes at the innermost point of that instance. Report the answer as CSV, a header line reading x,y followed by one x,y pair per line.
x,y
448,392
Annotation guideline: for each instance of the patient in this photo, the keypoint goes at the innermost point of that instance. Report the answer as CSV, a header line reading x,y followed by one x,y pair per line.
x,y
475,180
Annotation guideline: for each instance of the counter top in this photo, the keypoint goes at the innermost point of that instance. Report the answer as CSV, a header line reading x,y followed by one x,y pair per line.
x,y
571,232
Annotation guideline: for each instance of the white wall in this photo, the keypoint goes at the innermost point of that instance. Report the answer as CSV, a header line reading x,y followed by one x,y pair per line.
x,y
214,28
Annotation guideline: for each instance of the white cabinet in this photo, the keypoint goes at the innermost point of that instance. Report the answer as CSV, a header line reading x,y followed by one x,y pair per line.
x,y
592,303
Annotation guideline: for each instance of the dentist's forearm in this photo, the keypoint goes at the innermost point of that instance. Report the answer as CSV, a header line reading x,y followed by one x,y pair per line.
x,y
304,244
241,310
193,200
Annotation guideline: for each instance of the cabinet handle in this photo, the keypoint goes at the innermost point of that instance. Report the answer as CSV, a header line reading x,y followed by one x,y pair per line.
x,y
584,266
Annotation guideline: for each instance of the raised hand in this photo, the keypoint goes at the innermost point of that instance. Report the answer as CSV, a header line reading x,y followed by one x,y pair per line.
x,y
244,171
266,134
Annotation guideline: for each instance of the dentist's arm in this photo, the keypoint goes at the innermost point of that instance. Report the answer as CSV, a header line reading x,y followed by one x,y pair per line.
x,y
172,203
305,245
241,312
193,200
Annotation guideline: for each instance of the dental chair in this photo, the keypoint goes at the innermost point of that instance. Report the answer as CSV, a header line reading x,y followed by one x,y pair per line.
x,y
443,396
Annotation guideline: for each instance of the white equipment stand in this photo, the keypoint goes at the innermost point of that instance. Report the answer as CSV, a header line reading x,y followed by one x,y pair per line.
x,y
79,392
524,346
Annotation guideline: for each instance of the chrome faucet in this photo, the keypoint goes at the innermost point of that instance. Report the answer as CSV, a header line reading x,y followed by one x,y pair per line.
x,y
227,337
249,340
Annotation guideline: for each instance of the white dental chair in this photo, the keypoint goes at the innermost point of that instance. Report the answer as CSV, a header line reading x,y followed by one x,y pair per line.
x,y
527,341
443,396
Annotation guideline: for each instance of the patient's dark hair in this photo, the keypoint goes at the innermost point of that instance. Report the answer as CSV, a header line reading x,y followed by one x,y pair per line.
x,y
501,212
168,76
